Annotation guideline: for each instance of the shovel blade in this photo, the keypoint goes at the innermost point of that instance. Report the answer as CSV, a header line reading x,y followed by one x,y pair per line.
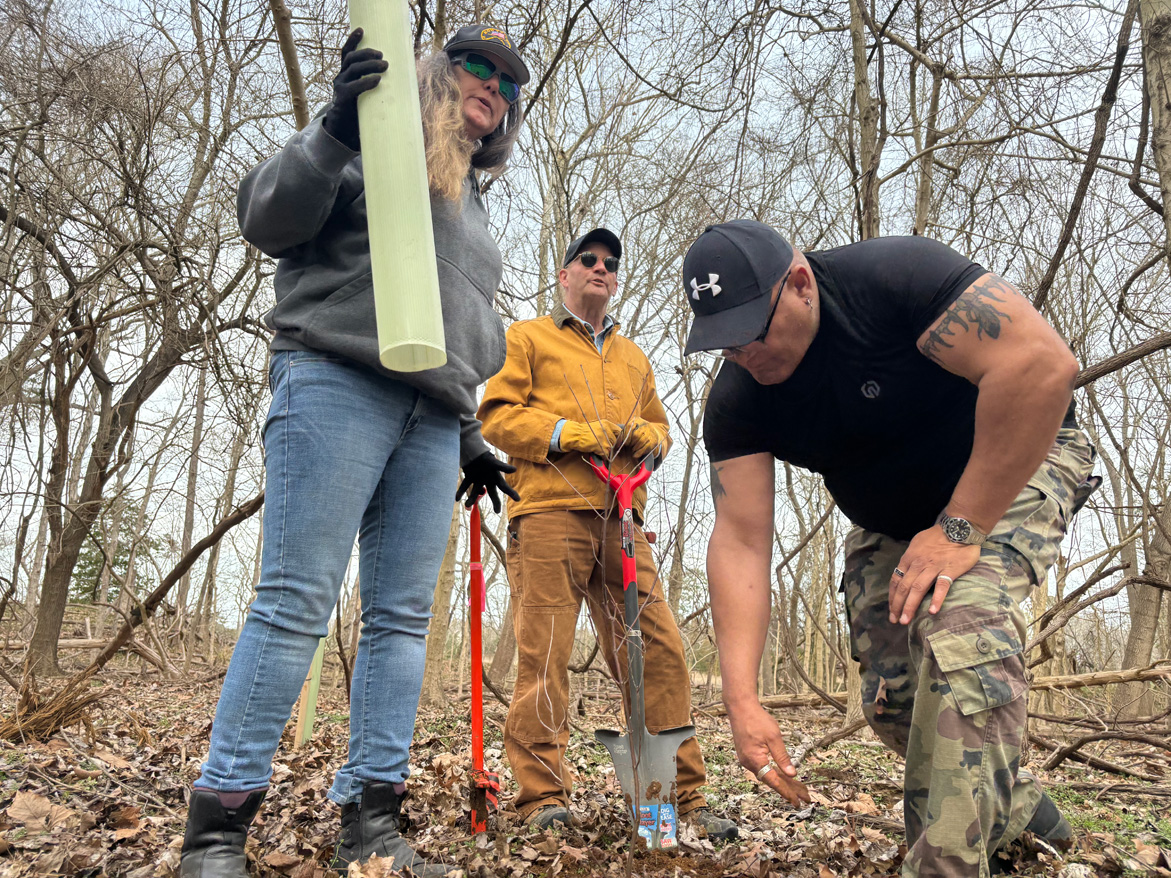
x,y
646,768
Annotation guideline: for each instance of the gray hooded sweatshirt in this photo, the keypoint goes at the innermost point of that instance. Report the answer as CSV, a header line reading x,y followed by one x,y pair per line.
x,y
306,207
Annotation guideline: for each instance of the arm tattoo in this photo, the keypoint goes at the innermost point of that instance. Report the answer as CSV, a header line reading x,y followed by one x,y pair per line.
x,y
977,308
718,489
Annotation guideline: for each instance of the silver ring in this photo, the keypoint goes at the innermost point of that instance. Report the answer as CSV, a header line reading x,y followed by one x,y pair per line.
x,y
950,581
900,573
765,769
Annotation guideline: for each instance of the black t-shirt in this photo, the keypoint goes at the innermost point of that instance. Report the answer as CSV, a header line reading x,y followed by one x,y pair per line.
x,y
890,430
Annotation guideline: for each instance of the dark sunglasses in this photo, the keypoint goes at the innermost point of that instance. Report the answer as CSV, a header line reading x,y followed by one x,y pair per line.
x,y
484,69
771,314
589,259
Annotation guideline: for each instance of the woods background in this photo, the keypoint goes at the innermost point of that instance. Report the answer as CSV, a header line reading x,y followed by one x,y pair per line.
x,y
1034,137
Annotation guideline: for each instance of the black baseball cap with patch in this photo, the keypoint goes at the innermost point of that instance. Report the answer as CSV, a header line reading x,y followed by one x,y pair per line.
x,y
602,236
728,275
489,40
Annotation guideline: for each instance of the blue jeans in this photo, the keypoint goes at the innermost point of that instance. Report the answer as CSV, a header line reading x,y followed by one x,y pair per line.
x,y
347,452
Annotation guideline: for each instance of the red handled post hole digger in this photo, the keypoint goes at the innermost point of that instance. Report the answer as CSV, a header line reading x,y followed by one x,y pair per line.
x,y
643,762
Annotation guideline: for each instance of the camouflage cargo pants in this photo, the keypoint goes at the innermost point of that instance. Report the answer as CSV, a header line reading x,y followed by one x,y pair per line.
x,y
946,692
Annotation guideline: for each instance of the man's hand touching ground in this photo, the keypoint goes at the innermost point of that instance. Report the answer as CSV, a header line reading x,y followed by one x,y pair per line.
x,y
759,744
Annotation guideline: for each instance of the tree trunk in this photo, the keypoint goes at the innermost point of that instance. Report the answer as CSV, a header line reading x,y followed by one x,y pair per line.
x,y
675,574
112,544
66,531
505,653
1155,22
925,183
869,148
853,693
192,484
437,638
1145,602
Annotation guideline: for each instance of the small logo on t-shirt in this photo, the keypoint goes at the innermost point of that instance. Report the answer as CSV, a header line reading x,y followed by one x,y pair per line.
x,y
711,286
870,389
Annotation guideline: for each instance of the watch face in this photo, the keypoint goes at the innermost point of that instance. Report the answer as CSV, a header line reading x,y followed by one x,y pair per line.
x,y
957,529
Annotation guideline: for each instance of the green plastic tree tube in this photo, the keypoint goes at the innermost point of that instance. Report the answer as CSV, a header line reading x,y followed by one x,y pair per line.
x,y
398,206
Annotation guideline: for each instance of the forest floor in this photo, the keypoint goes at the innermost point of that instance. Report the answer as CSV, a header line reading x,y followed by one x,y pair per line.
x,y
108,800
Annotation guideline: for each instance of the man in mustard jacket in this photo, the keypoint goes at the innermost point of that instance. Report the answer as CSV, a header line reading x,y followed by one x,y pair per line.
x,y
572,386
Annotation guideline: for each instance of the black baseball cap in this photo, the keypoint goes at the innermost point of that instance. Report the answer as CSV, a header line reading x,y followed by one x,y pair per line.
x,y
728,274
602,236
489,40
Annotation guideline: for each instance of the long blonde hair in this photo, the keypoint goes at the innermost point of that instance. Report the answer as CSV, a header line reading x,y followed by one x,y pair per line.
x,y
450,154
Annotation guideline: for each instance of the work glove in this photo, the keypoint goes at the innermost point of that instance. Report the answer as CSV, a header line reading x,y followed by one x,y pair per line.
x,y
484,474
595,437
360,72
642,438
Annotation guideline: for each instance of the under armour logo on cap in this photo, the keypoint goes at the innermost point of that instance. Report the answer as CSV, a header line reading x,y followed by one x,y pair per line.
x,y
710,285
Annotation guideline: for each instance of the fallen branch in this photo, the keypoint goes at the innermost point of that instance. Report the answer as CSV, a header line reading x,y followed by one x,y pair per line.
x,y
1093,761
1071,750
777,701
1125,789
1099,722
72,643
838,734
1157,671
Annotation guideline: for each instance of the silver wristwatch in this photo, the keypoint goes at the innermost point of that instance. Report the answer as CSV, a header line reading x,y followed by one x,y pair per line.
x,y
960,530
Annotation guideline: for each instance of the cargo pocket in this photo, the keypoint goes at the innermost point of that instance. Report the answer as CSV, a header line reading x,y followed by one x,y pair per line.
x,y
982,663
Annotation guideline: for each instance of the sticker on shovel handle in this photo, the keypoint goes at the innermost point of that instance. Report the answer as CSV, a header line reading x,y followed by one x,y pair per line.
x,y
661,819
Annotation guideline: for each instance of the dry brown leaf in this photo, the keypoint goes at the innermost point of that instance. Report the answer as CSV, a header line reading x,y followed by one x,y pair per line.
x,y
547,845
280,860
111,759
126,818
38,813
825,871
575,854
1148,855
864,804
375,867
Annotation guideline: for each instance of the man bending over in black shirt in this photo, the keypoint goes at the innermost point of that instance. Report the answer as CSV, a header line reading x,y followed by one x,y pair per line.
x,y
937,404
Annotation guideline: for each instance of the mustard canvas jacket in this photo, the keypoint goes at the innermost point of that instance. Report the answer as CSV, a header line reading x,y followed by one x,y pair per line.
x,y
553,370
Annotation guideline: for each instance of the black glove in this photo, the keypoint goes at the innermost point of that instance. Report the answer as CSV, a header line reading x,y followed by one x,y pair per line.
x,y
485,474
360,72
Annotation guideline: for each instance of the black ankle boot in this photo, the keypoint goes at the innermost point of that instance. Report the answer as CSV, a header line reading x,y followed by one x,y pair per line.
x,y
213,845
370,826
1047,823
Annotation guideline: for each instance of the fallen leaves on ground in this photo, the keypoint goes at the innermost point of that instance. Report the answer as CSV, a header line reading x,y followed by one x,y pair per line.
x,y
108,802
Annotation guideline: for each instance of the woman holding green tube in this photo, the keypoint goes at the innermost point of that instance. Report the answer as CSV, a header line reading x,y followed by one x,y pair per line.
x,y
354,449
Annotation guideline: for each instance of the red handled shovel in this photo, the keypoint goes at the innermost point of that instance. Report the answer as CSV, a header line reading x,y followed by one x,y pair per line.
x,y
644,763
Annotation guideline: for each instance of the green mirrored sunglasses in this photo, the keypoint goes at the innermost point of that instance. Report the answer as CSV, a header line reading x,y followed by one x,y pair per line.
x,y
483,68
